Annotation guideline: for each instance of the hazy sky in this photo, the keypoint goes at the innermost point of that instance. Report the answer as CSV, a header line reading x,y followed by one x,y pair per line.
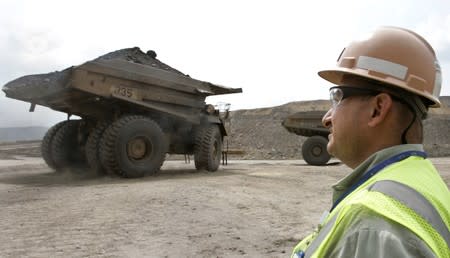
x,y
271,49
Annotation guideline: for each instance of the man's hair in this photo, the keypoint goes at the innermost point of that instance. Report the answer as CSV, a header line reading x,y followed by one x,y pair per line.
x,y
411,123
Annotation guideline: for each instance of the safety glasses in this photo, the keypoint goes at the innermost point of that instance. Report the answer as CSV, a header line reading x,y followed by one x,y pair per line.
x,y
338,93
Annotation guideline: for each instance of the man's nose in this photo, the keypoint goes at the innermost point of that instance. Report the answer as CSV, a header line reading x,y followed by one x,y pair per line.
x,y
326,119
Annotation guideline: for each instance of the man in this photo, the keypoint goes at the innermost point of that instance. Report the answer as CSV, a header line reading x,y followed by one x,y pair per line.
x,y
394,203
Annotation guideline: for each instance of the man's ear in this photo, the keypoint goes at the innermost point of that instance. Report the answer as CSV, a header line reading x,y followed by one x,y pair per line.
x,y
381,105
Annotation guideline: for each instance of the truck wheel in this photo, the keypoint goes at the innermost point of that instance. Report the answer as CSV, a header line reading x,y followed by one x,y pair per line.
x,y
133,146
46,144
93,147
65,149
314,150
208,148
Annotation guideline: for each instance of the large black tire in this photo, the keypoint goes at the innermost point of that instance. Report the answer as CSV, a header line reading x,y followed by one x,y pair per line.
x,y
133,146
208,148
66,151
314,150
46,144
92,148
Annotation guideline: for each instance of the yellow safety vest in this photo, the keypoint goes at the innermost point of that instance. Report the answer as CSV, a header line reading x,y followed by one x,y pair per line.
x,y
409,192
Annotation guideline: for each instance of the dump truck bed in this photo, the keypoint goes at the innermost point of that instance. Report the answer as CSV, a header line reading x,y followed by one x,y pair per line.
x,y
306,123
124,77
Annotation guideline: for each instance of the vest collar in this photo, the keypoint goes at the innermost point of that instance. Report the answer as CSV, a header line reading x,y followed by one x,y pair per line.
x,y
342,186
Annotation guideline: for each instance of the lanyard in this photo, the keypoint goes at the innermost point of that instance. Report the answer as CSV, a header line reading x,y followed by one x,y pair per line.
x,y
377,168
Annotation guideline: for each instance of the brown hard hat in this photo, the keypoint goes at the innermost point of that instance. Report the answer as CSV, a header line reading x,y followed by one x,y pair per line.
x,y
395,57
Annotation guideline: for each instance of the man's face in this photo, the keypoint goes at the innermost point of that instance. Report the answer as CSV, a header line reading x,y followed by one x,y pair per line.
x,y
346,122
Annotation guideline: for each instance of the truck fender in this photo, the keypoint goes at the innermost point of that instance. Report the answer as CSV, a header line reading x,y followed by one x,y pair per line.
x,y
218,121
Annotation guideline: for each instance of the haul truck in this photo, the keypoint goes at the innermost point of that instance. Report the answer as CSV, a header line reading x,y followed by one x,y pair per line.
x,y
309,124
133,109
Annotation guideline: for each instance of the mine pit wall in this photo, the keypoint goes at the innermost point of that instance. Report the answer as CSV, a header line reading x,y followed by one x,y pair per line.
x,y
259,133
437,135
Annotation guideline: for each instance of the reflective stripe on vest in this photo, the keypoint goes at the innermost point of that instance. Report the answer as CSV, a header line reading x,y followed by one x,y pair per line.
x,y
320,236
415,201
375,169
402,193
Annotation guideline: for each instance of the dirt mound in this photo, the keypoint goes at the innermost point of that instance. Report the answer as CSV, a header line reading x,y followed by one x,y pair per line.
x,y
259,133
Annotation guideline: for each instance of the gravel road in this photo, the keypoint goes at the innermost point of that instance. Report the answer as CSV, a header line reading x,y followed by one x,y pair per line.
x,y
246,209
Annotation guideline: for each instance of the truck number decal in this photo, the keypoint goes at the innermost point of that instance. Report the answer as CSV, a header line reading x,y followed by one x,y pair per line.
x,y
123,91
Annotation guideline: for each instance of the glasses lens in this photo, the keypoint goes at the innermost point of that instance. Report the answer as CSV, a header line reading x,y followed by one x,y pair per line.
x,y
338,93
336,96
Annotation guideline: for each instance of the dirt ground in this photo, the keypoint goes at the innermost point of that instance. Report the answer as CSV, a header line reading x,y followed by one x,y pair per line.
x,y
246,209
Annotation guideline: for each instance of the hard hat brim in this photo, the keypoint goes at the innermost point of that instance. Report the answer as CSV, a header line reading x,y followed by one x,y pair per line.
x,y
336,75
